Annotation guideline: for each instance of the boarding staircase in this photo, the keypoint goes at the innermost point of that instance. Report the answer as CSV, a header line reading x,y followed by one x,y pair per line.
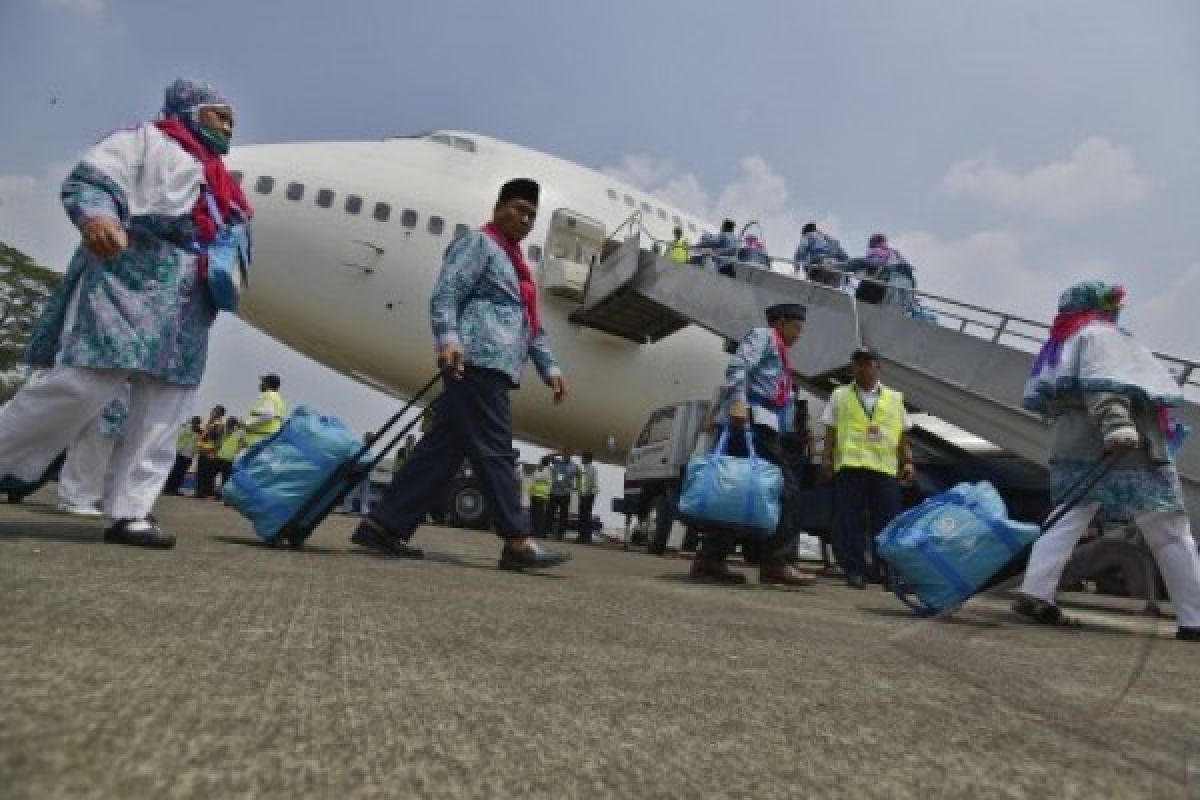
x,y
969,369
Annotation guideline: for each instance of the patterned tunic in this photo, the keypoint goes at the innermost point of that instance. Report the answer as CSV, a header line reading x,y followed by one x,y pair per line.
x,y
144,310
477,303
754,372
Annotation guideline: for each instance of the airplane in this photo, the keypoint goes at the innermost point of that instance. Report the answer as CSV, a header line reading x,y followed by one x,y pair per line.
x,y
349,238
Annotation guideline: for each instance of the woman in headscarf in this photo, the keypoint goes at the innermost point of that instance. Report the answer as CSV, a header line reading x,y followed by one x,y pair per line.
x,y
134,307
1104,393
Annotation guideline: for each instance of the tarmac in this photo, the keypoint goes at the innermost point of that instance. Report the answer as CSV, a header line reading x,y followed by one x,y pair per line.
x,y
226,669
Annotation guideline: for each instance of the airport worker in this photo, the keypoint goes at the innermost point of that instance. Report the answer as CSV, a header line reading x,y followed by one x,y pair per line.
x,y
1104,394
758,387
587,485
185,453
132,308
564,476
232,445
539,496
486,325
85,476
679,250
268,413
867,456
206,453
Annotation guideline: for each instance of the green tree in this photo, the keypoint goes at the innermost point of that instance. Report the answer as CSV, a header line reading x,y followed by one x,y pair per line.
x,y
24,289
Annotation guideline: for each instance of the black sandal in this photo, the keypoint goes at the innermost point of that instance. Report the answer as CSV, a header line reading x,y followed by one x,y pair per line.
x,y
1043,613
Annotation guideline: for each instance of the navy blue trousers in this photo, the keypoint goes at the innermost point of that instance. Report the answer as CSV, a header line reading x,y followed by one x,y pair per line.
x,y
866,501
473,420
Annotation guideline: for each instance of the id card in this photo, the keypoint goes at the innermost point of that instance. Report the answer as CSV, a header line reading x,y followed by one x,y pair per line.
x,y
874,434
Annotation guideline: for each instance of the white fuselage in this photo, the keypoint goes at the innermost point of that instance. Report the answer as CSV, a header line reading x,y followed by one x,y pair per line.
x,y
352,291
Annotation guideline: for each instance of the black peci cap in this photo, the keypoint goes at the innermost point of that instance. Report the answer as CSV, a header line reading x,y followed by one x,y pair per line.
x,y
786,311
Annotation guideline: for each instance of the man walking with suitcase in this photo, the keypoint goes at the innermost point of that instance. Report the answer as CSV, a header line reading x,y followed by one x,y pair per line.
x,y
485,321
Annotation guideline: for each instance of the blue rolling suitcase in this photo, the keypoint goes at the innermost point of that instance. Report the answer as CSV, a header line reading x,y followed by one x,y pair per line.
x,y
286,485
956,544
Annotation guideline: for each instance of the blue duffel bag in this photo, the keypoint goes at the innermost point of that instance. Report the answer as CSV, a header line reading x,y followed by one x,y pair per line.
x,y
731,492
275,476
946,549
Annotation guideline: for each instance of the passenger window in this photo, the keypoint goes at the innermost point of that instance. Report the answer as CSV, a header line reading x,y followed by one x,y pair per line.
x,y
612,194
646,207
436,225
629,202
325,198
382,212
661,214
264,184
295,191
460,229
237,175
535,253
678,223
692,227
353,204
409,218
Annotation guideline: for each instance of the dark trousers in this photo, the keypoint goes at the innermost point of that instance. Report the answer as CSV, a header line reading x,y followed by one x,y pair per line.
x,y
556,513
474,421
537,513
776,549
586,501
224,471
206,476
177,474
865,502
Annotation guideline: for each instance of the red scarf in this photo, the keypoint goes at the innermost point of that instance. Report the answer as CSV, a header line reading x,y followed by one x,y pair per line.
x,y
1069,323
783,393
524,276
220,183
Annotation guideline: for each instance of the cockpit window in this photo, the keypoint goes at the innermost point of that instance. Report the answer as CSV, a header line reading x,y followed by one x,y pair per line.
x,y
457,142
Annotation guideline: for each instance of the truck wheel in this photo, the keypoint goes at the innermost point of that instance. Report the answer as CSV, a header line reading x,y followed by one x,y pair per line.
x,y
467,507
664,517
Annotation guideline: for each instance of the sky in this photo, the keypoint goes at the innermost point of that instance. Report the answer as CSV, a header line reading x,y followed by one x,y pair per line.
x,y
1008,147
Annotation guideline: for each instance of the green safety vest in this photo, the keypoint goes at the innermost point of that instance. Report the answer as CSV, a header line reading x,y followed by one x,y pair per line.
x,y
541,483
867,442
257,432
231,445
679,251
185,442
587,480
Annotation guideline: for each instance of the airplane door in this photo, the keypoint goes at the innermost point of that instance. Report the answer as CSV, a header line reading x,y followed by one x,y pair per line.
x,y
573,245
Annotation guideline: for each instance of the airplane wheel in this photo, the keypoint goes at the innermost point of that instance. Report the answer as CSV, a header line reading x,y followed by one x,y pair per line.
x,y
468,506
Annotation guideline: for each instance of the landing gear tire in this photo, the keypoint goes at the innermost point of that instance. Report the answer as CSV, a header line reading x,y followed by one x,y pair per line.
x,y
467,507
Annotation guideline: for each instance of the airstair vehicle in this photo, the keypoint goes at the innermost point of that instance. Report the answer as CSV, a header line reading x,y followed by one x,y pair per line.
x,y
969,368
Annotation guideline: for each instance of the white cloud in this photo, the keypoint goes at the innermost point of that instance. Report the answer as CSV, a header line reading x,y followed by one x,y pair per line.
x,y
32,217
91,8
756,193
1166,321
1098,176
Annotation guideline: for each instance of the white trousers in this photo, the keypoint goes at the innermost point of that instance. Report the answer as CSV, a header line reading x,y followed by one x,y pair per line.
x,y
85,475
1168,534
51,411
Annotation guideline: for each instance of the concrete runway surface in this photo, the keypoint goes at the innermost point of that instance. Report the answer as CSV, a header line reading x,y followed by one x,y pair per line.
x,y
225,669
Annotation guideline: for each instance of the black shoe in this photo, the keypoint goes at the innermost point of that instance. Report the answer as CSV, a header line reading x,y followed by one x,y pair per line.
x,y
368,536
531,558
1188,634
144,533
856,582
1041,612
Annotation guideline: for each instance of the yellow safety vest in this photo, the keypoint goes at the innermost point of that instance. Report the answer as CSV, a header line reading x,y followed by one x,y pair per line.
x,y
541,484
257,432
185,442
232,445
867,442
679,251
587,480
